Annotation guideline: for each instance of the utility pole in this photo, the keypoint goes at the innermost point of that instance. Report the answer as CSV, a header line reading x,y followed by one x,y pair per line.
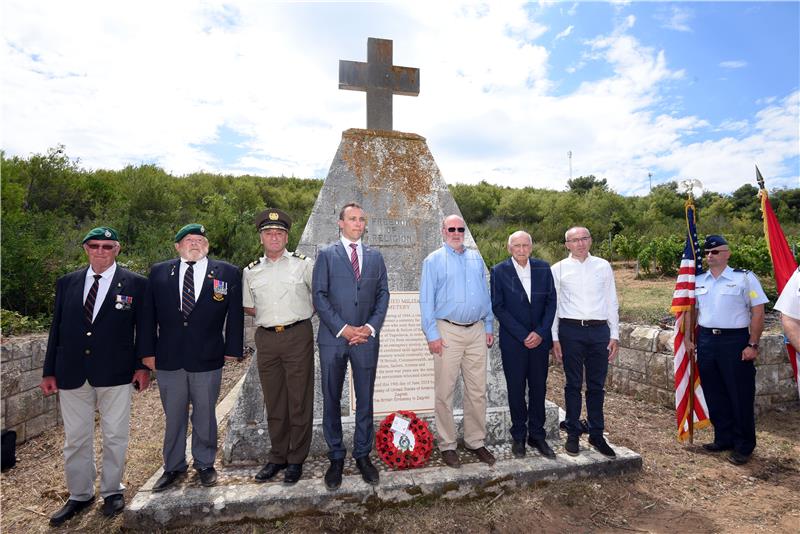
x,y
569,155
650,177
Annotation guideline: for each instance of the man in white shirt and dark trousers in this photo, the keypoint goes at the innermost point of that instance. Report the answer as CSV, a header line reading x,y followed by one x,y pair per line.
x,y
585,335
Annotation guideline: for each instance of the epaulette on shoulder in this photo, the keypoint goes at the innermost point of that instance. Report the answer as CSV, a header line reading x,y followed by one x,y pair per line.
x,y
298,255
253,263
741,270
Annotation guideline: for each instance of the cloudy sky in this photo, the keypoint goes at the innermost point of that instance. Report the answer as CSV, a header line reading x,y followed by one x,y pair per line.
x,y
680,90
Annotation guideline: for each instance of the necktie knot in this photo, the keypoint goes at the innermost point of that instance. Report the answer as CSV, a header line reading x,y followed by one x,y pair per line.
x,y
98,276
190,263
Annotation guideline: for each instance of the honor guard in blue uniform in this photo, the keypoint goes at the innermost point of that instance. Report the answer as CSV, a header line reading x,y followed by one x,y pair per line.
x,y
93,356
730,304
194,313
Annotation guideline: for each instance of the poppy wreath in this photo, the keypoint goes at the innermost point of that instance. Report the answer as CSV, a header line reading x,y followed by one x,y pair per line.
x,y
394,457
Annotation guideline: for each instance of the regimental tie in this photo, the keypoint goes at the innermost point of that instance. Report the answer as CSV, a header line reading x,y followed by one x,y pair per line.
x,y
354,261
88,306
187,299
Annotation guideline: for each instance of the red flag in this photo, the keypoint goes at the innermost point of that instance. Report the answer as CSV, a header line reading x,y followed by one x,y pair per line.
x,y
783,264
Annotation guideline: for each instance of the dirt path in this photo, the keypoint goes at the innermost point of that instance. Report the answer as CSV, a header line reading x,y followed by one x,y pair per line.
x,y
680,488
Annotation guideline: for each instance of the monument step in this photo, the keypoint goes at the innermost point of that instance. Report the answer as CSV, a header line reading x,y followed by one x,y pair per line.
x,y
238,497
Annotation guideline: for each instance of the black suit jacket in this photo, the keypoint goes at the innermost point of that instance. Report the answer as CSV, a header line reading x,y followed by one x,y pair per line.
x,y
107,352
517,316
195,344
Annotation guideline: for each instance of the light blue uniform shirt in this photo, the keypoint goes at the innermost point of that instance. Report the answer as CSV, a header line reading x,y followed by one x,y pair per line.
x,y
725,302
454,287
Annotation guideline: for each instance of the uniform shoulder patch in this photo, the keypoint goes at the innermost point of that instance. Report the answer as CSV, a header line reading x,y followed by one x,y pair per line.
x,y
298,255
741,270
253,263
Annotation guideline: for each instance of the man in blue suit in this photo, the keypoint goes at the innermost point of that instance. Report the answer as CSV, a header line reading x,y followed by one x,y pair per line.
x,y
192,300
524,301
351,294
93,356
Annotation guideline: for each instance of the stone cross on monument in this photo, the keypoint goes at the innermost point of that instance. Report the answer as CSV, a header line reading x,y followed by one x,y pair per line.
x,y
380,79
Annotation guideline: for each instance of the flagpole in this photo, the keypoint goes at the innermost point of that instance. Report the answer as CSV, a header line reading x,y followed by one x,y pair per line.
x,y
688,332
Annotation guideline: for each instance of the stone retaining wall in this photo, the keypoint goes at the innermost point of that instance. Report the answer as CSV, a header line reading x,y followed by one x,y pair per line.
x,y
24,408
644,368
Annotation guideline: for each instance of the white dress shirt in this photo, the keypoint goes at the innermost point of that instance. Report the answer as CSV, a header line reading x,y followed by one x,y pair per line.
x,y
102,286
524,274
586,290
200,268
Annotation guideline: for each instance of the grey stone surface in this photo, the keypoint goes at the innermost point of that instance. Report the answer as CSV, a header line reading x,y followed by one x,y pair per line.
x,y
380,79
236,498
394,177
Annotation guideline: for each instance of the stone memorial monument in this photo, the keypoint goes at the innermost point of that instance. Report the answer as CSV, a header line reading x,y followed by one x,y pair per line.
x,y
395,179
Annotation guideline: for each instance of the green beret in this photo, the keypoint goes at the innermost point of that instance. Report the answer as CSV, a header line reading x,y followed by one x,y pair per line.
x,y
194,228
273,218
101,233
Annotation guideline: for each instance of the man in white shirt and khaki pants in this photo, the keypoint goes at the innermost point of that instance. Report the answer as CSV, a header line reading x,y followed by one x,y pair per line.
x,y
585,335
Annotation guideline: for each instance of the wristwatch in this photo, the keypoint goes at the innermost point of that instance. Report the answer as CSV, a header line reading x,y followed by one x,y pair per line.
x,y
753,345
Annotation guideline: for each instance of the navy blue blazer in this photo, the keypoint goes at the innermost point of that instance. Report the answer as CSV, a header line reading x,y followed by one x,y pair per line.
x,y
107,352
339,299
517,316
195,344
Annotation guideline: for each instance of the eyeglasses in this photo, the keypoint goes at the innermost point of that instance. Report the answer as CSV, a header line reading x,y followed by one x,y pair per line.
x,y
715,252
580,239
95,246
454,229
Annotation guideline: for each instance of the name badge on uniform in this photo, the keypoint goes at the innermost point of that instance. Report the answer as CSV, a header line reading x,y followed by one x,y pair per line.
x,y
220,290
123,302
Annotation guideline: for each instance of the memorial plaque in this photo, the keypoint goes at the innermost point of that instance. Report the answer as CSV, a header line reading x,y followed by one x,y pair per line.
x,y
404,379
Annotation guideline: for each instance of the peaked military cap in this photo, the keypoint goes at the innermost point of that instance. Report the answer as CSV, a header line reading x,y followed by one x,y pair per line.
x,y
273,218
101,233
714,241
194,228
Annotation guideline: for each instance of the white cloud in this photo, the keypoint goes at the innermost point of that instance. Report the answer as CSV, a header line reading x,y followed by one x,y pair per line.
x,y
676,18
733,64
156,82
565,32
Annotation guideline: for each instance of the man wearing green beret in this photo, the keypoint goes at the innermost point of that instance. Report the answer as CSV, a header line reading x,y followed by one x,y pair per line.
x,y
93,360
195,322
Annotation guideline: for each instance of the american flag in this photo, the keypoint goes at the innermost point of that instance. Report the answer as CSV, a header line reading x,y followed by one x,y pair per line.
x,y
688,398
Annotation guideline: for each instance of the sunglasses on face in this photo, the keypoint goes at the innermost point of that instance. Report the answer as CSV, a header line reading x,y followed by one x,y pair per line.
x,y
715,252
104,247
454,229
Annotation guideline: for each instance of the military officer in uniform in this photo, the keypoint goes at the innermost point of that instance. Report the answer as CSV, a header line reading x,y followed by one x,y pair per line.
x,y
277,292
730,304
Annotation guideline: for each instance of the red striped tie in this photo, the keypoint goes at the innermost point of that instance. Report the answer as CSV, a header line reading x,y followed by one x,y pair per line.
x,y
354,260
88,306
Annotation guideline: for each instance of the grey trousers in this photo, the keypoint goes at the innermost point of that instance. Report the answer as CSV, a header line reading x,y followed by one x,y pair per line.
x,y
77,411
179,389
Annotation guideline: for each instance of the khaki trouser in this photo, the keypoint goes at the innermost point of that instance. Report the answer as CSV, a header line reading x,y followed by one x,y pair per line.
x,y
465,352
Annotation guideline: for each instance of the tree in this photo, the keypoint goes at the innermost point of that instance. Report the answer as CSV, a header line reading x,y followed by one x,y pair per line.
x,y
584,184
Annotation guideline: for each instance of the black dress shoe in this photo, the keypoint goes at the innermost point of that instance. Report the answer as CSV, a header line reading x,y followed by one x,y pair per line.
x,y
333,476
293,473
451,459
208,476
368,471
518,449
737,458
572,446
269,471
167,479
113,504
599,443
70,509
716,447
483,454
542,446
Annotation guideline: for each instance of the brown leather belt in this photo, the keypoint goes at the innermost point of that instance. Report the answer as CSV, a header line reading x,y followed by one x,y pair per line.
x,y
282,327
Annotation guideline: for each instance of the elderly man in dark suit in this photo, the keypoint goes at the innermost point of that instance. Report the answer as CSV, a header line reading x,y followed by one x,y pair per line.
x,y
524,301
92,359
192,300
351,294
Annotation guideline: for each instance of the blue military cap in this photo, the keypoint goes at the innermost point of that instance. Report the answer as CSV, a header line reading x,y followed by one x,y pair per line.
x,y
714,241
